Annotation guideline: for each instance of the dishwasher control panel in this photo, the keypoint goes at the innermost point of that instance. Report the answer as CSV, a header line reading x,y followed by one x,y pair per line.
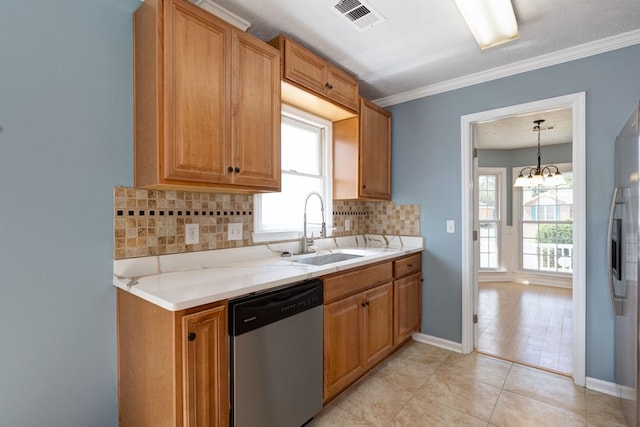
x,y
254,311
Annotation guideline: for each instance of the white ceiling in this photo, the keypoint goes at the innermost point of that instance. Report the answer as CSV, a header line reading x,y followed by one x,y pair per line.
x,y
517,131
424,47
426,43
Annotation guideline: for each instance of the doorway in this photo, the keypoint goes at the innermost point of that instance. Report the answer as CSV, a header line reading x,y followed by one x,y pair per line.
x,y
470,265
525,240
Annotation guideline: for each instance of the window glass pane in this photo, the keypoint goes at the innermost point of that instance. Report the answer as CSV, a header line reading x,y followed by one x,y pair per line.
x,y
304,170
489,217
488,245
284,209
300,147
547,229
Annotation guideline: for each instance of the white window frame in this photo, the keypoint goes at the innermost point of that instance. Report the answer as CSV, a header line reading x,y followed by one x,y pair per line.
x,y
517,223
501,182
261,234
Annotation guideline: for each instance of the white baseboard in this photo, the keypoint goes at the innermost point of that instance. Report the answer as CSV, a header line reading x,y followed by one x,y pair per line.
x,y
601,386
437,342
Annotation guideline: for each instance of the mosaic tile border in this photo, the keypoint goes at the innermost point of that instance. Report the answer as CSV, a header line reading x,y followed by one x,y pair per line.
x,y
177,213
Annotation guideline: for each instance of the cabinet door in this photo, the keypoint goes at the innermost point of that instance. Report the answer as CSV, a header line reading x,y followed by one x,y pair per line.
x,y
375,151
197,92
205,369
406,302
378,323
343,88
256,113
343,362
304,68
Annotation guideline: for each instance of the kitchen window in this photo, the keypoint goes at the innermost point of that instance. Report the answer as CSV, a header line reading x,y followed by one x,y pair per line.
x,y
305,164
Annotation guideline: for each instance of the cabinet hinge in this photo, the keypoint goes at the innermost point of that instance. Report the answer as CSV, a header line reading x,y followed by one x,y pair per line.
x,y
475,235
475,318
475,152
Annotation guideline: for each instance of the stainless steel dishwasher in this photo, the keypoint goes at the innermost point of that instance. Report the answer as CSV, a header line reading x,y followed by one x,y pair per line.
x,y
276,356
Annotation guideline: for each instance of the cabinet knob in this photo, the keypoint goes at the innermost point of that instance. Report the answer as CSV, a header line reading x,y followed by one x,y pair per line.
x,y
191,336
410,265
364,186
366,303
237,170
328,85
230,169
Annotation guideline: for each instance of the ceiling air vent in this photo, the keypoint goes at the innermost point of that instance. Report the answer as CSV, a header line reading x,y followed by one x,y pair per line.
x,y
360,13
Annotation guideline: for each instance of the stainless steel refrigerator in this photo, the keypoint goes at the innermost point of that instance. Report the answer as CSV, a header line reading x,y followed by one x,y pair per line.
x,y
624,265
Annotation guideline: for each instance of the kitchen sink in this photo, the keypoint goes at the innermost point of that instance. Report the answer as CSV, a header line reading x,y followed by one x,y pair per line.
x,y
326,259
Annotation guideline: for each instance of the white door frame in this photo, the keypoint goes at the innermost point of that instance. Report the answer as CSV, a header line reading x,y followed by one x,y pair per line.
x,y
577,102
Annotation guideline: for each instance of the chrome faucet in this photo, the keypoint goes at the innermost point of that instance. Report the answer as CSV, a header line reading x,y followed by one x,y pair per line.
x,y
304,241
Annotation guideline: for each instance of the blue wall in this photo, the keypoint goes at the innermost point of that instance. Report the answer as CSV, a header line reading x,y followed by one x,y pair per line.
x,y
426,170
66,140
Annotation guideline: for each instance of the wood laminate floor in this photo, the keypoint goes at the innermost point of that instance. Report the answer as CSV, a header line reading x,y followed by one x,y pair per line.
x,y
528,324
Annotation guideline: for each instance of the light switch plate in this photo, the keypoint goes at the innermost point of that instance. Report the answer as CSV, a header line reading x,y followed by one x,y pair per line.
x,y
234,231
451,226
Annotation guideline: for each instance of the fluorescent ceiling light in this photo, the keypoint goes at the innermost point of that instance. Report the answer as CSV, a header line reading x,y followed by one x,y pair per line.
x,y
491,22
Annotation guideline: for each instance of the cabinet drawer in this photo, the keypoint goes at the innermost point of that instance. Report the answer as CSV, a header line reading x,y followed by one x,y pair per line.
x,y
341,285
407,265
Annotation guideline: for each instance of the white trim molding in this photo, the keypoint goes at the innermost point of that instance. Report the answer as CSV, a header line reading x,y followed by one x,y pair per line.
x,y
561,56
577,102
601,386
437,342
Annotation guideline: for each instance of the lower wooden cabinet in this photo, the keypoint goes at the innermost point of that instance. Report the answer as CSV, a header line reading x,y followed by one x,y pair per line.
x,y
343,353
378,324
172,366
407,297
358,333
406,307
204,343
368,313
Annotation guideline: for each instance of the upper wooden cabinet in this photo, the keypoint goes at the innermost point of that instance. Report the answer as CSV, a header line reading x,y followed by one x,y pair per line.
x,y
310,72
206,100
362,154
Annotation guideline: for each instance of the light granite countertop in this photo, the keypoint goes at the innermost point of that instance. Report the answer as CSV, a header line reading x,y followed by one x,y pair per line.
x,y
180,281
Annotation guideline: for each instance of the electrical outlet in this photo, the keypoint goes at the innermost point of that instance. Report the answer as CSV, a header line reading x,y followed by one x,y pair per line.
x,y
192,234
347,225
234,231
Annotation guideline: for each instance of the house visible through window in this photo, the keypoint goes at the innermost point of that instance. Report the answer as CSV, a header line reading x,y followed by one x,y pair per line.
x,y
305,169
547,227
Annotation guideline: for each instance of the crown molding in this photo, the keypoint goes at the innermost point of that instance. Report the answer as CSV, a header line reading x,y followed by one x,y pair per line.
x,y
223,13
565,55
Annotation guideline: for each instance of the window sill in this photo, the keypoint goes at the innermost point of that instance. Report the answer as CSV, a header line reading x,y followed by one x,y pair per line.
x,y
277,236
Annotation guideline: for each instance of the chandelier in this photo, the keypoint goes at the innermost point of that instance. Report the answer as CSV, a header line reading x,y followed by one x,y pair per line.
x,y
532,177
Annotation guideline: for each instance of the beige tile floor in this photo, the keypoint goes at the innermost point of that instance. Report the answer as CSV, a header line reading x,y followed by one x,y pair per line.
x,y
422,385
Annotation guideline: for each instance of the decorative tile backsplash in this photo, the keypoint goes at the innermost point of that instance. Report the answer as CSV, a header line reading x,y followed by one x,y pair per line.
x,y
152,222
